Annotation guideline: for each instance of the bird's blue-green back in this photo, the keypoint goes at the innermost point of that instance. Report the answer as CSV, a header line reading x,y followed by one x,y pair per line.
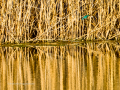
x,y
85,17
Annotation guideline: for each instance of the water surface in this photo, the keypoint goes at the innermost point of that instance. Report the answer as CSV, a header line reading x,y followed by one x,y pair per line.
x,y
86,66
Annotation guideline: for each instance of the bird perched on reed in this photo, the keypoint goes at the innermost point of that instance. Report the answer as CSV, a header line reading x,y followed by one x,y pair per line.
x,y
85,17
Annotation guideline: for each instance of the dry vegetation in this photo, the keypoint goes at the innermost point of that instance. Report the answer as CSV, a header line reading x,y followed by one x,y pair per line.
x,y
90,67
32,20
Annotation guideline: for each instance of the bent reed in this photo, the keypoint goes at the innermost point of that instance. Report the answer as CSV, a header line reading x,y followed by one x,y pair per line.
x,y
45,20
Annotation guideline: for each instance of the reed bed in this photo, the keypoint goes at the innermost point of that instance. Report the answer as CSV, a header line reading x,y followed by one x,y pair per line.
x,y
33,20
87,66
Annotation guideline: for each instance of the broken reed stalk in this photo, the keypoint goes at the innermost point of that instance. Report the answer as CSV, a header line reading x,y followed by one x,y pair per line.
x,y
22,21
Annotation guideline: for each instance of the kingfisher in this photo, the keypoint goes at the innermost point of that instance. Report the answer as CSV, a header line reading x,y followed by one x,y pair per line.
x,y
85,17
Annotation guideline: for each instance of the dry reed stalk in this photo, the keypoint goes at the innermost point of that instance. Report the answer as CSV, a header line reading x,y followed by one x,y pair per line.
x,y
24,20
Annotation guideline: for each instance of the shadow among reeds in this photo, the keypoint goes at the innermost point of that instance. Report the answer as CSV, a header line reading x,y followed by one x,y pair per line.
x,y
88,66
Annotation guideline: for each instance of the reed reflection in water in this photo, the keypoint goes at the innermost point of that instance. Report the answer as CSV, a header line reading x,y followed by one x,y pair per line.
x,y
91,66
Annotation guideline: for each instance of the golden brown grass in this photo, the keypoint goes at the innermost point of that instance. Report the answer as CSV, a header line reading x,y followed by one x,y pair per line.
x,y
29,20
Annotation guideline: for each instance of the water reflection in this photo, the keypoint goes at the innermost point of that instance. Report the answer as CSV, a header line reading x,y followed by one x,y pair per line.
x,y
89,66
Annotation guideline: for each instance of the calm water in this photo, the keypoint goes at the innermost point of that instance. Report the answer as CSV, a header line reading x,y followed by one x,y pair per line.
x,y
87,66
